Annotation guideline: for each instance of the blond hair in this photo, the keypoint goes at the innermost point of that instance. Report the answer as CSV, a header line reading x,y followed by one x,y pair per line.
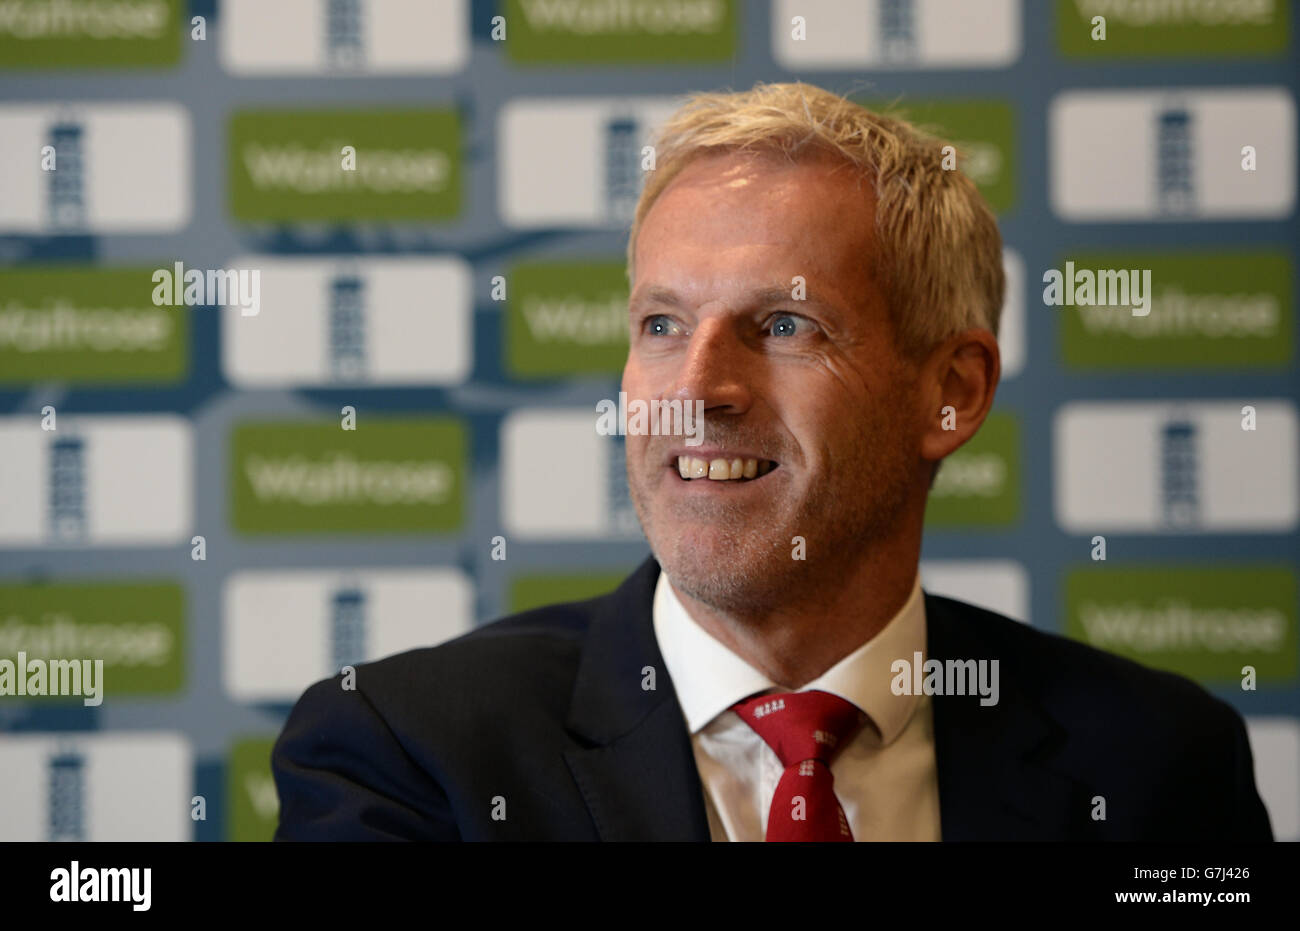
x,y
938,251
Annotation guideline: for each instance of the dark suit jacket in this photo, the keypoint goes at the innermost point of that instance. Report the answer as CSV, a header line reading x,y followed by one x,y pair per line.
x,y
542,717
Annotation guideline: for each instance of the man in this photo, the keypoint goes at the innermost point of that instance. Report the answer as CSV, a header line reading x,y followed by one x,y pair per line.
x,y
812,274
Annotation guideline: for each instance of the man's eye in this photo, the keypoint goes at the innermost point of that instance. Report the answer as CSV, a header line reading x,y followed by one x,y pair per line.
x,y
785,325
659,325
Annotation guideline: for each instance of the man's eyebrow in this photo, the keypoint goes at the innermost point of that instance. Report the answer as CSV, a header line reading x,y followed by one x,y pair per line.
x,y
758,298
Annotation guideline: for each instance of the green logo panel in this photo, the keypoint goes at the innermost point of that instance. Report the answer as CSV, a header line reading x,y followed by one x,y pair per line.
x,y
289,165
90,33
982,131
566,318
1152,29
252,804
81,324
1205,623
669,31
979,484
136,629
537,590
387,476
1207,311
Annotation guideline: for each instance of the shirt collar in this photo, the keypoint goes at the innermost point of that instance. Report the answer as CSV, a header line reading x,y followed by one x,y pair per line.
x,y
708,677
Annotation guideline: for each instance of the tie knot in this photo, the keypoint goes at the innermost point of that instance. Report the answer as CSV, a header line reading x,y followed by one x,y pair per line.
x,y
799,726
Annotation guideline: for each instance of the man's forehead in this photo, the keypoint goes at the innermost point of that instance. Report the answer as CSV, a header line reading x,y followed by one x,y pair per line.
x,y
734,163
801,209
749,296
756,251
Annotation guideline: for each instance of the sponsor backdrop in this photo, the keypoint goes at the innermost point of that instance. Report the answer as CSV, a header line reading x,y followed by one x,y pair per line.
x,y
179,496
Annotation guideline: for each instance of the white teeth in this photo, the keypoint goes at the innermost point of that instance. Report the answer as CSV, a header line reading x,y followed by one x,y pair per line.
x,y
720,470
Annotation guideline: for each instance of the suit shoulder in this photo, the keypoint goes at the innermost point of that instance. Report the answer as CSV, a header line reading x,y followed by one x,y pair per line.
x,y
528,656
1075,678
560,625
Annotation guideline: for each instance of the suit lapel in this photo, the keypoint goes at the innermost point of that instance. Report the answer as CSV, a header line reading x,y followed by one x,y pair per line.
x,y
996,780
638,776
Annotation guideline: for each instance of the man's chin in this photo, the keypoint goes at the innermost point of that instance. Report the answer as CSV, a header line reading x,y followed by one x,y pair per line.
x,y
710,567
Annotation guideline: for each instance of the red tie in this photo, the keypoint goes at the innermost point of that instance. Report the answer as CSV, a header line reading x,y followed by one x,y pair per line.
x,y
806,730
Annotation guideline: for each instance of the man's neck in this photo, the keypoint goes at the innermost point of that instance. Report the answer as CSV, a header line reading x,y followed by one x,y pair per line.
x,y
795,642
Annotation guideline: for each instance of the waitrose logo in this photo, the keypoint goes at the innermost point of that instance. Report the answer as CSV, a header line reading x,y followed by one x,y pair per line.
x,y
566,318
63,33
290,165
59,324
979,484
1204,623
136,630
535,590
1175,624
385,476
621,30
253,813
1153,28
981,131
311,171
341,478
85,324
99,19
1207,311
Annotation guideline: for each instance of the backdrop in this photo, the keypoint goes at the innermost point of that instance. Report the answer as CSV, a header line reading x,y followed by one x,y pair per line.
x,y
389,439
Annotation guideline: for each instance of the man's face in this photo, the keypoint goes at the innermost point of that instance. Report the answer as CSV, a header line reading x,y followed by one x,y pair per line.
x,y
816,387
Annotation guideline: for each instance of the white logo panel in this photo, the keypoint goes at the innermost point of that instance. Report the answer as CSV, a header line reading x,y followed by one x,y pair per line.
x,y
574,162
118,168
1275,745
561,480
1182,467
96,480
381,321
284,630
1172,154
315,37
1000,585
897,34
96,787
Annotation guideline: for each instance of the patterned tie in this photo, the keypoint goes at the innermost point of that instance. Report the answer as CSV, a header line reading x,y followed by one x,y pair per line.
x,y
806,730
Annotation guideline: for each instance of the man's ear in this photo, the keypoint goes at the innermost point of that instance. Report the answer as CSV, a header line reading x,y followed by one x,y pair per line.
x,y
958,381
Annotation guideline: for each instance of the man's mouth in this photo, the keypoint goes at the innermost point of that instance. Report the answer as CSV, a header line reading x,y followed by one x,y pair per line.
x,y
723,469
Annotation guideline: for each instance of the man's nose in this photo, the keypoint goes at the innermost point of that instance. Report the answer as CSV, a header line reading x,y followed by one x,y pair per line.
x,y
714,369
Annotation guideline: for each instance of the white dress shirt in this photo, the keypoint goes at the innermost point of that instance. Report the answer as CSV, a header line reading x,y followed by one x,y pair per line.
x,y
885,778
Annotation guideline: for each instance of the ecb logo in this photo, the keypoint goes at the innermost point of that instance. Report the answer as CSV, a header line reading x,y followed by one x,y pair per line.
x,y
1175,163
347,328
1179,468
66,807
897,30
67,488
66,185
344,36
622,167
348,627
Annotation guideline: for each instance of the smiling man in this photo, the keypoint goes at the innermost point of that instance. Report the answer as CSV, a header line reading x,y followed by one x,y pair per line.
x,y
810,273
